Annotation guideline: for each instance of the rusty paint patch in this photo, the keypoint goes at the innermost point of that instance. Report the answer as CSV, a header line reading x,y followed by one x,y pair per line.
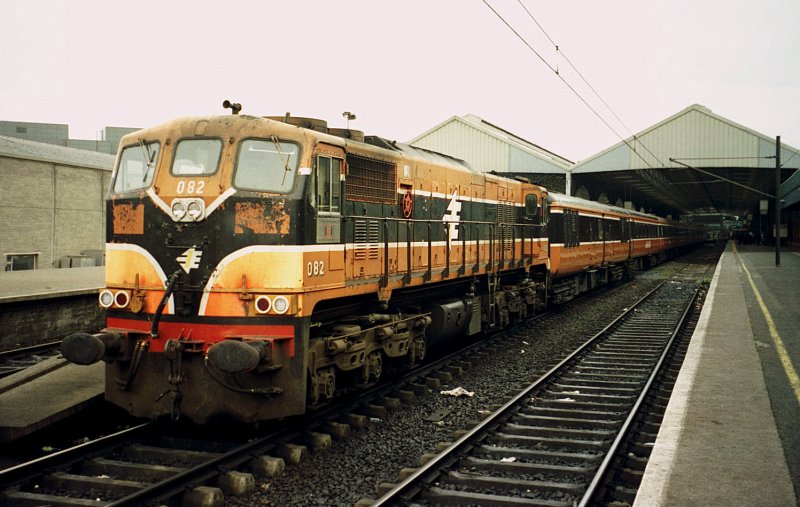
x,y
260,218
128,219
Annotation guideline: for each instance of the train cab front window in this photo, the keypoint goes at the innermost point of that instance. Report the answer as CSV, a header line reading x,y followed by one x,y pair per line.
x,y
196,157
266,165
137,164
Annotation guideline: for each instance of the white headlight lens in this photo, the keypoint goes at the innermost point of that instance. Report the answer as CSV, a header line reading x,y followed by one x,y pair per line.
x,y
280,304
195,210
106,298
178,210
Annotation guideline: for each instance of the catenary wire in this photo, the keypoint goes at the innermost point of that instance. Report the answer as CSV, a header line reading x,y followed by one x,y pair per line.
x,y
589,85
571,88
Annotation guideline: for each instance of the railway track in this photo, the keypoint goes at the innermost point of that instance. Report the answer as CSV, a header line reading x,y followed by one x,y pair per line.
x,y
117,471
554,443
13,361
142,465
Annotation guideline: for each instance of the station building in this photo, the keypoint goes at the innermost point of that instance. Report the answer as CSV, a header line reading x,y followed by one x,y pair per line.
x,y
693,164
58,134
52,205
488,147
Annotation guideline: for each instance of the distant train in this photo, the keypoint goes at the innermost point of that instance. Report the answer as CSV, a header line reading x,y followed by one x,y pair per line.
x,y
256,267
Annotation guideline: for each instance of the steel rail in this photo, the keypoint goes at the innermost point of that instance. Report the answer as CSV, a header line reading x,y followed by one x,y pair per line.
x,y
622,433
405,487
64,457
230,460
29,349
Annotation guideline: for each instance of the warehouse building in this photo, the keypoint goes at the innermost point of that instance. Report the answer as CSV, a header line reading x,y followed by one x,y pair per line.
x,y
52,205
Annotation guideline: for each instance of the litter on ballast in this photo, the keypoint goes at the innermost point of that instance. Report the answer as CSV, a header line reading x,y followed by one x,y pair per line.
x,y
509,459
458,391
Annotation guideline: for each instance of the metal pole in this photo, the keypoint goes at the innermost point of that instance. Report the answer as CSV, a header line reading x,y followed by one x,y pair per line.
x,y
777,201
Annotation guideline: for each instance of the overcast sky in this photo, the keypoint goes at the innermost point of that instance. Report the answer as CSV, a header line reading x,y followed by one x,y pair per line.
x,y
405,66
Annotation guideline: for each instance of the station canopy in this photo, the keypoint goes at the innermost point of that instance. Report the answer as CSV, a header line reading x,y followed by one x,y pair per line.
x,y
692,162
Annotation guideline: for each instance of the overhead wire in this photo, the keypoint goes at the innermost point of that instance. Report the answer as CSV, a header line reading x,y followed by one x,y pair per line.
x,y
566,83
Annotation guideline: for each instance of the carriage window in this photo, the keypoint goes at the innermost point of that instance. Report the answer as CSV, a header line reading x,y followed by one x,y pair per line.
x,y
137,164
266,165
196,157
328,183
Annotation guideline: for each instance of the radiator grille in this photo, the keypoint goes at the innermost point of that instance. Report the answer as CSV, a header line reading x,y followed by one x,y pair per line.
x,y
371,180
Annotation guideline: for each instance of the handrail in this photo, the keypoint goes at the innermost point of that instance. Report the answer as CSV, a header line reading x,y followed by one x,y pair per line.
x,y
476,230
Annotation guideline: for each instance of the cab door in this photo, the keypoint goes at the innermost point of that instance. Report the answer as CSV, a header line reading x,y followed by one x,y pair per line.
x,y
326,263
328,178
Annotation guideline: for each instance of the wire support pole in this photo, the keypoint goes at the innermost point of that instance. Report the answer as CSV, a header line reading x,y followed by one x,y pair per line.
x,y
778,201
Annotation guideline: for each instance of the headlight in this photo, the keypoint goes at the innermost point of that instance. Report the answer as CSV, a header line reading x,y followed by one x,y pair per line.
x,y
195,210
263,304
178,210
106,298
122,298
280,304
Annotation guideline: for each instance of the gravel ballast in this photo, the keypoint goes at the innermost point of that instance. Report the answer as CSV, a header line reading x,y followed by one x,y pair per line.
x,y
352,469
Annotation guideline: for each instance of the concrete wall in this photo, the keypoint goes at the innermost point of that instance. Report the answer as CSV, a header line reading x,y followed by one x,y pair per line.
x,y
58,134
51,133
45,320
51,209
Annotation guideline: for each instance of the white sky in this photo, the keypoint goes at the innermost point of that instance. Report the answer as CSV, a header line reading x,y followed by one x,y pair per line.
x,y
403,66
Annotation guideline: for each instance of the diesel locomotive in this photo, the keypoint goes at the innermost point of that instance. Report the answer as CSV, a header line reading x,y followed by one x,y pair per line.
x,y
259,266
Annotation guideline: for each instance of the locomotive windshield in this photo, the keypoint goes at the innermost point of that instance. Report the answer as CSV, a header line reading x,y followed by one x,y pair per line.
x,y
196,157
266,165
136,167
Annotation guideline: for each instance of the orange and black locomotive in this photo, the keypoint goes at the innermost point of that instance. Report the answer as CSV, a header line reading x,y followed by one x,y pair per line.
x,y
256,266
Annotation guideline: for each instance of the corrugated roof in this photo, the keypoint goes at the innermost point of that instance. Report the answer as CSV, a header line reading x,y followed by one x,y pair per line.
x,y
12,147
696,136
502,135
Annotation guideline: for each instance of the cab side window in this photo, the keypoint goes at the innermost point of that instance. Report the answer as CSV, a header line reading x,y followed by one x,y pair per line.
x,y
329,185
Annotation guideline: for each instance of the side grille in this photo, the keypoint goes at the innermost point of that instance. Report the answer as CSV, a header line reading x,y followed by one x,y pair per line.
x,y
367,239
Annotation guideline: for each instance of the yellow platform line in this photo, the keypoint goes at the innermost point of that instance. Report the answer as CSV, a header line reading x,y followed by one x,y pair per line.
x,y
791,373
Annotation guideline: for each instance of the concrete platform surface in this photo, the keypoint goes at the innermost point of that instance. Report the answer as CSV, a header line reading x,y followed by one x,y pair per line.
x,y
50,283
728,436
38,396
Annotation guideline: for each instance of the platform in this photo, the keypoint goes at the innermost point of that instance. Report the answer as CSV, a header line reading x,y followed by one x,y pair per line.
x,y
50,283
731,432
48,392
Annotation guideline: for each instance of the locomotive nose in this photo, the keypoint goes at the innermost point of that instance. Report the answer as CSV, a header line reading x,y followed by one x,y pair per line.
x,y
84,348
